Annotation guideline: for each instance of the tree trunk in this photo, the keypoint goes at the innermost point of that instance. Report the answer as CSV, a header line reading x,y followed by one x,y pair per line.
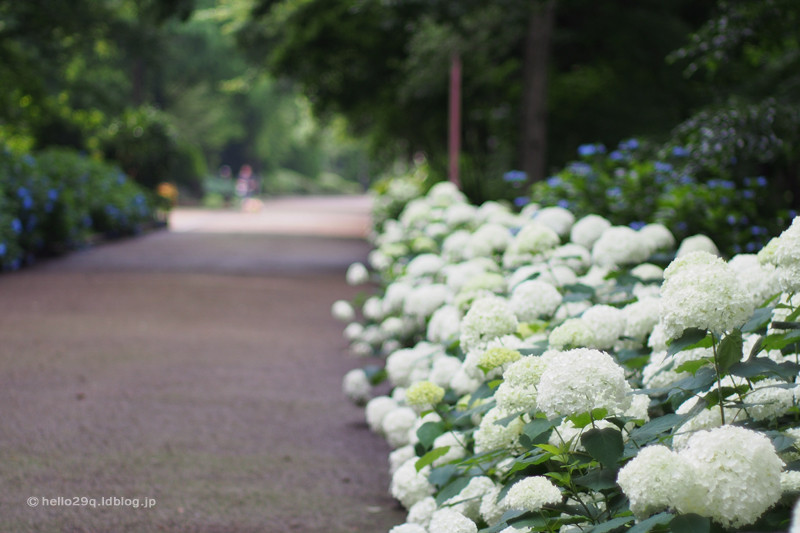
x,y
534,97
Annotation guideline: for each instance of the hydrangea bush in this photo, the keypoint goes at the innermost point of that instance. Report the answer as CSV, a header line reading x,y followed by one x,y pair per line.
x,y
57,200
549,372
636,184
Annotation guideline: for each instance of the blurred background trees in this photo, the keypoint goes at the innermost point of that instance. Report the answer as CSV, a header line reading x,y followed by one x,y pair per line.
x,y
322,95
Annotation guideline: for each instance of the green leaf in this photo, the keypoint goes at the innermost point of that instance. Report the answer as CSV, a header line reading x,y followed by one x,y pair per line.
x,y
702,379
376,374
453,488
611,525
729,351
759,320
598,479
584,419
761,366
692,366
537,427
430,457
778,341
690,523
428,432
656,427
785,325
442,475
691,338
605,445
656,520
549,448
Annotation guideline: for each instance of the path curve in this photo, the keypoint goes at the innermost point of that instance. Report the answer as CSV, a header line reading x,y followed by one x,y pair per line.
x,y
198,368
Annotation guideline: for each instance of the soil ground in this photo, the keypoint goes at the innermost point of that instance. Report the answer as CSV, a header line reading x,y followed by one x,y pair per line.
x,y
198,368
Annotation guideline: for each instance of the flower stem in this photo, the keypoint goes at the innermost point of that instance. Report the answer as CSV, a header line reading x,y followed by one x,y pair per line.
x,y
719,379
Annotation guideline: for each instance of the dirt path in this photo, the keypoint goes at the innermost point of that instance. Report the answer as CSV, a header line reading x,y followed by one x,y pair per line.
x,y
199,370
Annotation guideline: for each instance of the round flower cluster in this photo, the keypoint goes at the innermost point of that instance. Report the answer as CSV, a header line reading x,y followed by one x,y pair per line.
x,y
424,395
534,299
580,380
707,477
702,291
532,493
487,319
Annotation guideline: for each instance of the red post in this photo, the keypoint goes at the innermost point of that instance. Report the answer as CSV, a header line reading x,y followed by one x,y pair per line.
x,y
454,144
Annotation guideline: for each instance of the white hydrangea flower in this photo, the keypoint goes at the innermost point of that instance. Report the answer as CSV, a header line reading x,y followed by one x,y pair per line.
x,y
532,493
588,229
787,257
399,456
534,299
619,245
468,501
408,528
489,239
444,370
726,459
770,398
376,410
422,301
456,444
518,391
573,333
409,486
459,215
575,257
697,243
580,380
492,436
556,275
657,237
459,274
395,296
396,425
444,325
641,318
424,265
356,386
421,512
445,193
795,525
760,281
790,481
343,311
533,238
491,508
454,246
353,331
557,218
705,295
648,272
357,274
657,479
487,318
570,310
462,383
607,324
447,520
379,260
407,365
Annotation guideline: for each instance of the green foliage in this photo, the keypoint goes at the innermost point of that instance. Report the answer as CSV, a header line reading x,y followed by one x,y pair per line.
x,y
145,144
57,200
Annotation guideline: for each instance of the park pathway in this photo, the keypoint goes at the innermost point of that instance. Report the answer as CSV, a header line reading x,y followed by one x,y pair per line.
x,y
198,368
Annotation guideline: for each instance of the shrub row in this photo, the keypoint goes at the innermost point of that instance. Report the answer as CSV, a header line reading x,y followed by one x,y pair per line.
x,y
549,372
58,200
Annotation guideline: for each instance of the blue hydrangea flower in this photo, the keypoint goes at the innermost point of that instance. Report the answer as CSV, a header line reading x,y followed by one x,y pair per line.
x,y
514,175
520,201
680,151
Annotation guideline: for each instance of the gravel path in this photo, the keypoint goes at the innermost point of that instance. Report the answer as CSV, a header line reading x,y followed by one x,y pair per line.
x,y
198,369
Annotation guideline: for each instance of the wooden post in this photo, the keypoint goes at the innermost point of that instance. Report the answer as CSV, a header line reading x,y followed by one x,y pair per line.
x,y
454,145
